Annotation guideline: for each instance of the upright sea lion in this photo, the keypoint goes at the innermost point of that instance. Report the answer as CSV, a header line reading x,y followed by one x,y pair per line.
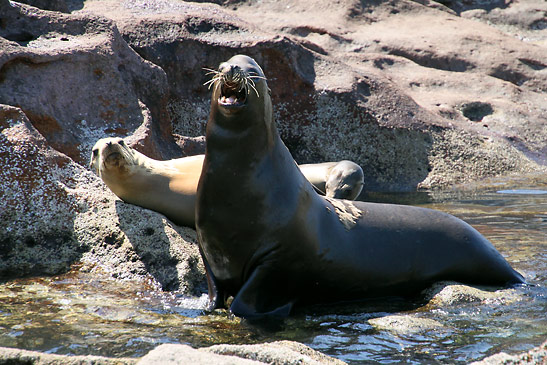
x,y
341,180
169,187
271,242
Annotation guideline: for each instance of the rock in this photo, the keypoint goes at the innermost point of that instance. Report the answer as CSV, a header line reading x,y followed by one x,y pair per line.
x,y
55,5
381,85
57,213
171,354
279,352
81,82
39,201
537,355
450,293
23,357
406,325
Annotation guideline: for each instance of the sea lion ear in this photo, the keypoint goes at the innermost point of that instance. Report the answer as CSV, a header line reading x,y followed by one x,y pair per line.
x,y
269,91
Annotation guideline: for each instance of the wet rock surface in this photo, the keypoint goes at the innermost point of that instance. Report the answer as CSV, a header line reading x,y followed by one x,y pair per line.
x,y
23,357
534,356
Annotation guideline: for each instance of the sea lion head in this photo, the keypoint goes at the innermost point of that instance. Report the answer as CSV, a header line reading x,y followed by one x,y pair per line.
x,y
345,181
112,156
240,93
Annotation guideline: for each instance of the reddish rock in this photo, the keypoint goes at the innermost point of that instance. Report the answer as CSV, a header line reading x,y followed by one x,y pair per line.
x,y
77,81
395,86
56,213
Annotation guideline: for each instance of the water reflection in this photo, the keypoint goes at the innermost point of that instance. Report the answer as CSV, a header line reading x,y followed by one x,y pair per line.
x,y
82,313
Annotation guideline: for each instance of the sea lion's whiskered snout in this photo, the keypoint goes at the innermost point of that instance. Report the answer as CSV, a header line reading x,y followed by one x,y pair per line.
x,y
110,153
235,83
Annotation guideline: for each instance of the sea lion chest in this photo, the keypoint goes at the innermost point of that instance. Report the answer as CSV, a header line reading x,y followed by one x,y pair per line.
x,y
241,211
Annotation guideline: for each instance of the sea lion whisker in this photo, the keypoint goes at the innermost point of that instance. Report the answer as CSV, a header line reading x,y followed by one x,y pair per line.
x,y
210,71
258,77
212,81
252,85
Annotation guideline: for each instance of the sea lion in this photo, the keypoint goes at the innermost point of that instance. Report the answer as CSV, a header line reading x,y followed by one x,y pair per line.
x,y
272,243
341,180
169,187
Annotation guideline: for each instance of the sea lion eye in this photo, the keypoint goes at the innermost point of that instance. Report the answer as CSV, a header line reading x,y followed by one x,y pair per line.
x,y
95,152
121,143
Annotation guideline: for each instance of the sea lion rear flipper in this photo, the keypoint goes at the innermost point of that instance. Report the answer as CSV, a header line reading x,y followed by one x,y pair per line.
x,y
262,296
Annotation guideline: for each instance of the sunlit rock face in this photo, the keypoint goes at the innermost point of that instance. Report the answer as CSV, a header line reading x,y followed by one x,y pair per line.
x,y
421,96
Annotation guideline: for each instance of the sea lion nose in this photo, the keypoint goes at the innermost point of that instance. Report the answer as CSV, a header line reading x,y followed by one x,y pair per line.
x,y
229,71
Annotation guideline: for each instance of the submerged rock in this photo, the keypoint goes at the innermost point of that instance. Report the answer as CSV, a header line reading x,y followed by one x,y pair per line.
x,y
537,355
406,324
444,294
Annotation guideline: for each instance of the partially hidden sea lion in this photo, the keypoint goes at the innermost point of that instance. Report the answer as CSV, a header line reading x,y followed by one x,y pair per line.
x,y
169,187
271,242
342,179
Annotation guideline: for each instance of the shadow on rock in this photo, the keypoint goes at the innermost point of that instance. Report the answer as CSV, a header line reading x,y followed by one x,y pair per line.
x,y
175,268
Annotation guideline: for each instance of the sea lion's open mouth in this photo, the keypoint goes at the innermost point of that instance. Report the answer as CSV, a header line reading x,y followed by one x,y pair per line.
x,y
234,84
232,95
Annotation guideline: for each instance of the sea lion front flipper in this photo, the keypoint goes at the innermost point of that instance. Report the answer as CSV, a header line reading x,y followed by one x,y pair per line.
x,y
217,297
261,296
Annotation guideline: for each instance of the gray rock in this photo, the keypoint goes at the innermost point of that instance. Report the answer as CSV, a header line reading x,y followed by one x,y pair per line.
x,y
357,82
81,82
170,354
537,355
276,353
23,357
57,213
406,324
450,293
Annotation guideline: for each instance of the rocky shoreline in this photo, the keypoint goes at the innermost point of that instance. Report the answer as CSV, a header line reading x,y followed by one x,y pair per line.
x,y
420,94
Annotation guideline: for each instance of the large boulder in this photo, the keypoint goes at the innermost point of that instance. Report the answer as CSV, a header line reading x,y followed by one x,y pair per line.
x,y
77,80
56,213
416,94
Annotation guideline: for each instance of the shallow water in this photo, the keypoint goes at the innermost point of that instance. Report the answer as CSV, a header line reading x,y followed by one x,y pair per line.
x,y
80,313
